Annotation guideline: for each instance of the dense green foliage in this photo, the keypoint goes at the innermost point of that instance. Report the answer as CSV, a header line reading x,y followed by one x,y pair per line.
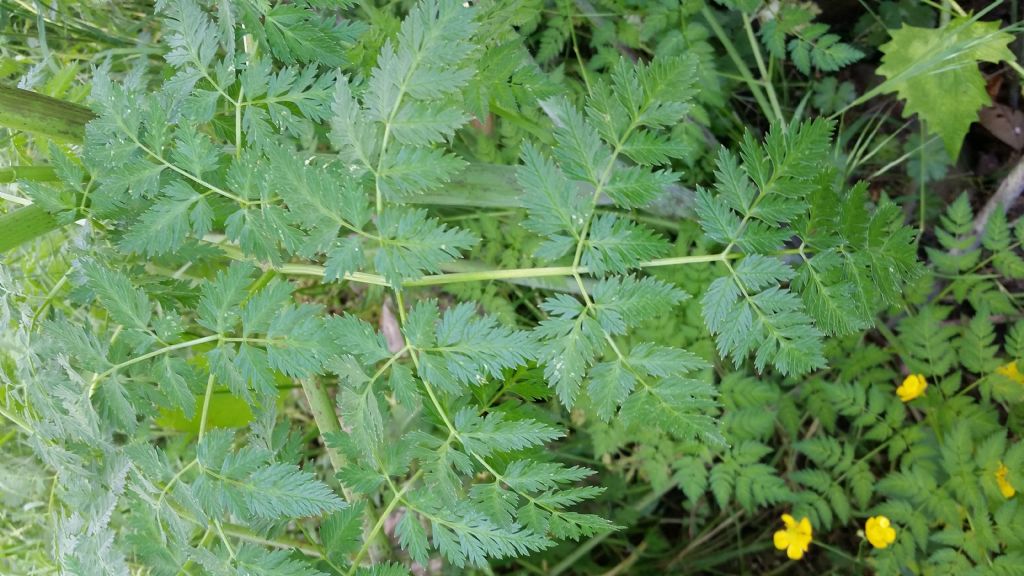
x,y
326,287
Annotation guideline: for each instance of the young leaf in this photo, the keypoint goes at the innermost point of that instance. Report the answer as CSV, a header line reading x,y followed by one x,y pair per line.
x,y
471,348
295,33
126,304
623,302
569,342
164,227
492,433
219,303
283,490
554,205
610,384
617,245
413,243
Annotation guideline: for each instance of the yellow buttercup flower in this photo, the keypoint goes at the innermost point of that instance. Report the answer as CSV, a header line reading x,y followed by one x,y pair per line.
x,y
1005,487
913,386
879,531
1011,371
796,538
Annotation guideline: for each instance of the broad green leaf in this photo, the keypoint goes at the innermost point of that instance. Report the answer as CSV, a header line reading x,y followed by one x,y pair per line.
x,y
935,70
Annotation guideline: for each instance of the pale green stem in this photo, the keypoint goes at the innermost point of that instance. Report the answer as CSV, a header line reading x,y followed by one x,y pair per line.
x,y
174,480
863,155
579,58
379,525
921,203
482,275
42,115
737,60
385,140
32,173
918,150
243,533
704,537
394,358
166,349
23,225
1016,68
765,79
238,122
16,420
206,406
486,275
50,296
166,489
326,419
865,457
455,434
224,539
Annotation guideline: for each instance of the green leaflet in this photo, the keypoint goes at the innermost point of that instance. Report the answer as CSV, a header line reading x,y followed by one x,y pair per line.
x,y
958,254
126,304
466,349
298,34
809,43
466,537
412,243
484,436
243,482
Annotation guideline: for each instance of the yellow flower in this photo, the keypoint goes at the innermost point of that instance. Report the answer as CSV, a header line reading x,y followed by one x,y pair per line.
x,y
912,387
796,538
1004,485
1011,371
879,532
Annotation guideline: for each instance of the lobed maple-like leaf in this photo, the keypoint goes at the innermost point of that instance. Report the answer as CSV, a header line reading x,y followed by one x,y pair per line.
x,y
935,71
